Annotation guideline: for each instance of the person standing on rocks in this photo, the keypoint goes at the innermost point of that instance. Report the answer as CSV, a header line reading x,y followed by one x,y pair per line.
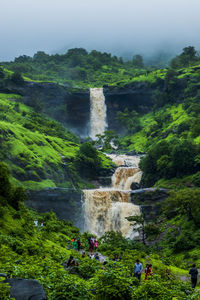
x,y
79,243
138,269
193,272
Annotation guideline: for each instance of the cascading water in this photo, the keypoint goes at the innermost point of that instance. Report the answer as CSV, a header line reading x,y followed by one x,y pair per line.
x,y
98,122
107,208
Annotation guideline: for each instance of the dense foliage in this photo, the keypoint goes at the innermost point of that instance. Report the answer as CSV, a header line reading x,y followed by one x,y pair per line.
x,y
37,148
77,67
42,153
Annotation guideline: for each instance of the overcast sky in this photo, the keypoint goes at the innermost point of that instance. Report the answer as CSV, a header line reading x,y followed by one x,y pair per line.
x,y
117,26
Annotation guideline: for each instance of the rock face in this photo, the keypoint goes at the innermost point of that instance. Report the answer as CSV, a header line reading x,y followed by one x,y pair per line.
x,y
66,203
136,96
149,200
26,289
72,107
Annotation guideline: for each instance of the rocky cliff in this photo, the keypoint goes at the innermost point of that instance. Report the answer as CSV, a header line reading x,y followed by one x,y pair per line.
x,y
72,106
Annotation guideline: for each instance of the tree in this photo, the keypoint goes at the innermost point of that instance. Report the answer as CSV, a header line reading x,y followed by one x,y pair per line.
x,y
107,140
87,161
9,194
130,120
186,58
41,57
17,78
138,223
184,202
137,61
183,154
2,75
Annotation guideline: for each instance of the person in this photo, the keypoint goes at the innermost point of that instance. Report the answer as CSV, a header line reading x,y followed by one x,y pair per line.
x,y
193,272
74,244
70,262
103,267
146,268
148,271
79,243
95,244
168,274
138,269
91,245
97,256
115,258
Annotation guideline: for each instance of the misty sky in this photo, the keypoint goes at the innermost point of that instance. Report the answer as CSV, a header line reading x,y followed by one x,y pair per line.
x,y
117,26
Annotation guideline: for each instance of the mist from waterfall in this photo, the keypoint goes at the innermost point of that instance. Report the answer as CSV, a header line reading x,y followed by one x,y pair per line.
x,y
98,122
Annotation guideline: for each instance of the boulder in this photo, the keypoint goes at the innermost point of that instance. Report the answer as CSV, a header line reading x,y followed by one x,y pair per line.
x,y
26,289
135,186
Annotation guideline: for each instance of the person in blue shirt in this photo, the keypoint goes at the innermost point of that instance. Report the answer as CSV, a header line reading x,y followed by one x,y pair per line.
x,y
138,269
194,273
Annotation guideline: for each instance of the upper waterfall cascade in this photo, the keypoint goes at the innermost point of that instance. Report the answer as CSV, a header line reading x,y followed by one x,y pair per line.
x,y
107,208
98,122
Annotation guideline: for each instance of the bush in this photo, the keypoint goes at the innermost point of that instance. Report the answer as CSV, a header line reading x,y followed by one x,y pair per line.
x,y
114,283
88,161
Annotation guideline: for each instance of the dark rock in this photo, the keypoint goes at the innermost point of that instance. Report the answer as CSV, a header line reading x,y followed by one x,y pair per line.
x,y
149,200
3,275
66,203
26,289
135,186
104,181
135,96
72,106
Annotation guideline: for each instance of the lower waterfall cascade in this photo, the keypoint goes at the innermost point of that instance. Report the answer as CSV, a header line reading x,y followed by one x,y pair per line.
x,y
105,209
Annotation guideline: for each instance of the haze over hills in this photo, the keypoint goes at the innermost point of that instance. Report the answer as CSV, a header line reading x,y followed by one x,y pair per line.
x,y
116,26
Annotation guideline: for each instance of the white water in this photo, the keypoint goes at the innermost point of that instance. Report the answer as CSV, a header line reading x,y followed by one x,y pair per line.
x,y
125,160
98,122
107,208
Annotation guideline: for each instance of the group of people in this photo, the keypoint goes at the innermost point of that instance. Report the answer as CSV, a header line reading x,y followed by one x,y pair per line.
x,y
76,244
138,268
93,244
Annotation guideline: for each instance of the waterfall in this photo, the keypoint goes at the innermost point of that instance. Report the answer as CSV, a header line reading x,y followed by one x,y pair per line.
x,y
97,112
107,208
122,175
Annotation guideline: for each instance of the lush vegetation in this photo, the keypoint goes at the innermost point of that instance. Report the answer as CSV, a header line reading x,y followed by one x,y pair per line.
x,y
77,68
42,153
31,251
37,148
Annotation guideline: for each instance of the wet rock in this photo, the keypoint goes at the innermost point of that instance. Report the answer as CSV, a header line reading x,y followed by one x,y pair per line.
x,y
66,203
135,186
104,181
149,200
26,289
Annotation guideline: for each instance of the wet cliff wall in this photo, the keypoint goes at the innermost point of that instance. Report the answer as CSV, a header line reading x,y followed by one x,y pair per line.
x,y
137,96
66,203
72,106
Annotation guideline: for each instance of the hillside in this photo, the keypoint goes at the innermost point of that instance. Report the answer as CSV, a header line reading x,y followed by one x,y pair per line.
x,y
39,151
41,156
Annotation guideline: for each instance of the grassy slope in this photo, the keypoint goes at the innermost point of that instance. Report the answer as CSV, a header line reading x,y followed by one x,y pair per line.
x,y
36,148
140,141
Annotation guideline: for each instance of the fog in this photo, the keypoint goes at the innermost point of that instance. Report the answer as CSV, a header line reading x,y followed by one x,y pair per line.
x,y
122,27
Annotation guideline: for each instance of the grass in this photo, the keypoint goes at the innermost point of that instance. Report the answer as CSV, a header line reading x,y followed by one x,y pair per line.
x,y
156,126
33,153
